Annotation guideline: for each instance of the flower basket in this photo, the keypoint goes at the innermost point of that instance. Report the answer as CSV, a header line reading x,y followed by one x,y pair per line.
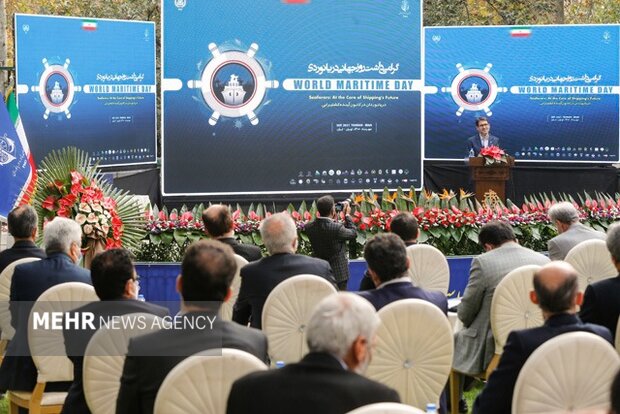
x,y
493,155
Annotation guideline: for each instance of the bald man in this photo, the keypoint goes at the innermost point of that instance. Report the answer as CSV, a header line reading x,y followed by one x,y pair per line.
x,y
556,293
219,225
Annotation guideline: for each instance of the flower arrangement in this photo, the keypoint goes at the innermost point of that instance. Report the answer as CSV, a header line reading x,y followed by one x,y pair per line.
x,y
69,187
449,221
493,155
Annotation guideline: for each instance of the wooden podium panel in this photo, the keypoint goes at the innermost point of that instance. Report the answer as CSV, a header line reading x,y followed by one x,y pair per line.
x,y
490,177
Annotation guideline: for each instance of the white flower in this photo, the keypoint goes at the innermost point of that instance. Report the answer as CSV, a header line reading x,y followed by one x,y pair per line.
x,y
85,207
105,229
87,229
80,218
97,207
103,219
92,218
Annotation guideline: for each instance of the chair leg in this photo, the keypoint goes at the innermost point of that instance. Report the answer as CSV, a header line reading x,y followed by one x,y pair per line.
x,y
455,380
492,365
13,408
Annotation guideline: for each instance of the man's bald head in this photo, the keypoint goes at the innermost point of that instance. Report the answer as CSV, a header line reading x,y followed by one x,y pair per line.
x,y
217,220
556,288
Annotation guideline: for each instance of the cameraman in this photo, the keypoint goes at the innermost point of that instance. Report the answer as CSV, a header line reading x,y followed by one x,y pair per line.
x,y
328,237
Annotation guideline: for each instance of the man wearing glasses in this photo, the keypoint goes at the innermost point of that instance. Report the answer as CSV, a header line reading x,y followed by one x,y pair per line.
x,y
482,139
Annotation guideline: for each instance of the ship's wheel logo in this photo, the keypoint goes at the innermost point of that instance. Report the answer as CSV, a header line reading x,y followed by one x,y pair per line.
x,y
7,150
56,88
233,84
474,89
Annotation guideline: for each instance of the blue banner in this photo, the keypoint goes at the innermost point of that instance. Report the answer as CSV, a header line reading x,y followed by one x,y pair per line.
x,y
550,93
15,169
270,97
90,84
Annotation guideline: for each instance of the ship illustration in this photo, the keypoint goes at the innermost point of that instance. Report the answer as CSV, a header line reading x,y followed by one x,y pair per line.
x,y
233,92
473,95
56,96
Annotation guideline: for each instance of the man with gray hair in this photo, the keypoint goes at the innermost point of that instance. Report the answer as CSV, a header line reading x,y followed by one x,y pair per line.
x,y
260,277
62,238
340,336
600,301
571,232
22,222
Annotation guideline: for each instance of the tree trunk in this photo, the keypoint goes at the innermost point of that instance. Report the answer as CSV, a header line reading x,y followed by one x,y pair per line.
x,y
3,53
559,14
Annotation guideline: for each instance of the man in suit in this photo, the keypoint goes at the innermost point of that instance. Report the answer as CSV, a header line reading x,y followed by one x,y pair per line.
x,y
340,336
63,240
601,303
405,226
483,138
219,225
328,237
207,271
556,293
474,344
22,222
571,232
259,278
388,266
116,284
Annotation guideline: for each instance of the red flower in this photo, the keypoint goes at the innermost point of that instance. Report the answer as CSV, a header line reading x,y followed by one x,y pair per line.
x,y
76,177
48,203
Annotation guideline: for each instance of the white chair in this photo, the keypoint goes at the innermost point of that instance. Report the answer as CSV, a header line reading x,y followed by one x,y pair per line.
x,y
6,276
387,408
226,310
201,383
511,307
592,261
286,313
428,268
414,351
104,358
570,372
47,348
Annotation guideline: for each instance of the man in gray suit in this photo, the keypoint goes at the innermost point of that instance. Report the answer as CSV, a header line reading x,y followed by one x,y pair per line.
x,y
571,232
474,344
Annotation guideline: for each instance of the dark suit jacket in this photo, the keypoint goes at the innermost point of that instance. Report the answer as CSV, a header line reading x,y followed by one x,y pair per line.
x,y
366,282
20,250
496,397
151,357
29,281
259,278
247,251
317,384
601,304
475,143
403,290
329,242
77,340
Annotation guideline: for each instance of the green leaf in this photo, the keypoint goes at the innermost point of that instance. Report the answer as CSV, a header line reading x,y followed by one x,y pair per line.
x,y
258,240
180,236
166,237
155,238
535,233
423,236
472,234
361,238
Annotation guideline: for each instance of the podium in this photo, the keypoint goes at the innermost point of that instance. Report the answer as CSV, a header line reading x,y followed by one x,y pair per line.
x,y
490,177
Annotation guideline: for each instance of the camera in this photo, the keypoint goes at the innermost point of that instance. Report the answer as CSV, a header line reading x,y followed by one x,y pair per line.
x,y
339,206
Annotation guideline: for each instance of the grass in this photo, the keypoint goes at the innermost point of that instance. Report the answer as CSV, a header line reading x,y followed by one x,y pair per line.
x,y
470,396
4,405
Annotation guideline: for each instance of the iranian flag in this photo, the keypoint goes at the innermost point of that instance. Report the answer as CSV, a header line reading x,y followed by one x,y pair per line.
x,y
89,25
520,32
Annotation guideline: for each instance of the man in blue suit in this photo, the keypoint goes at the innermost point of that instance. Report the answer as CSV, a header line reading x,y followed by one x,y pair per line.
x,y
557,294
388,266
483,138
63,240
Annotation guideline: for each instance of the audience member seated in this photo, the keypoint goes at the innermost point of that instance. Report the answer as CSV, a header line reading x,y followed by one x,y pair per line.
x,y
601,302
388,266
259,278
474,345
340,336
22,223
328,237
207,271
116,284
218,224
556,293
571,232
405,226
62,238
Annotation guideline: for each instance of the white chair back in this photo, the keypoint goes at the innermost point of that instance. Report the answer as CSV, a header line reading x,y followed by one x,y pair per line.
x,y
226,310
570,372
6,276
414,351
511,307
592,261
202,382
47,346
286,313
428,268
387,408
104,359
